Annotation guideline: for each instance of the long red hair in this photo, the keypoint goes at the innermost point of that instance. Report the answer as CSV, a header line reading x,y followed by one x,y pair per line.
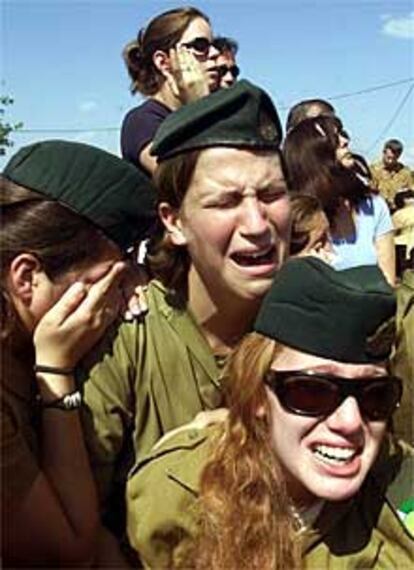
x,y
245,520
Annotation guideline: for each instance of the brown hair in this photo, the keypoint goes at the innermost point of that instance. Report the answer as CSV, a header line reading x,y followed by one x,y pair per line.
x,y
60,238
310,154
162,33
395,146
306,109
305,212
166,261
244,510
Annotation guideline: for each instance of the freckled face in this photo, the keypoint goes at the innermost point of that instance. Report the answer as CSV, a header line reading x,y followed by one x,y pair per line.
x,y
329,457
235,220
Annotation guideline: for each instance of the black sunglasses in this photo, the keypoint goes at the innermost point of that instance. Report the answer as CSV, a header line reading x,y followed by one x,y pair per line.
x,y
224,69
200,45
314,394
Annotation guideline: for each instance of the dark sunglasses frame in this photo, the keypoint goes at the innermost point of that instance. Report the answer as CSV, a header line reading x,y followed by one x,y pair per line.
x,y
337,388
200,45
233,69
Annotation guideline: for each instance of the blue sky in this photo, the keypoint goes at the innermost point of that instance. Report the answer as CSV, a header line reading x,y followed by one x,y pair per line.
x,y
61,61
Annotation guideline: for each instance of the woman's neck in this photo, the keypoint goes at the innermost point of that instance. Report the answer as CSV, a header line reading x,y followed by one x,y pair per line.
x,y
223,319
305,516
166,96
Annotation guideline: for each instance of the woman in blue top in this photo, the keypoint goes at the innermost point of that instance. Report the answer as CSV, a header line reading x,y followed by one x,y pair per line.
x,y
320,163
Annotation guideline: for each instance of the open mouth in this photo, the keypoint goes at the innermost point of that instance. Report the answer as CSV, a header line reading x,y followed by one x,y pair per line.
x,y
255,258
334,455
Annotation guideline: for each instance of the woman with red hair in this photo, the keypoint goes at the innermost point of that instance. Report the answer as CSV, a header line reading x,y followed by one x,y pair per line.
x,y
303,471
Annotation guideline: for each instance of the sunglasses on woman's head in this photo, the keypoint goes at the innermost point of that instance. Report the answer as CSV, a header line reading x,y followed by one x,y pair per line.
x,y
224,69
314,394
199,45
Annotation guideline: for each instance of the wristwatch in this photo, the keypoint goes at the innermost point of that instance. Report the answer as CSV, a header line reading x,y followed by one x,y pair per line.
x,y
71,401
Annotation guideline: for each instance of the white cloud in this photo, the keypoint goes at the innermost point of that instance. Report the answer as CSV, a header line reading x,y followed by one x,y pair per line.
x,y
399,27
87,106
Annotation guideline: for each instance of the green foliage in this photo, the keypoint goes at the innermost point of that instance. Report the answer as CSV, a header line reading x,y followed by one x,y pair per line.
x,y
6,128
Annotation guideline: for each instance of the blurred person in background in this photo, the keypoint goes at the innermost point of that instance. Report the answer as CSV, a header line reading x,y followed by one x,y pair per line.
x,y
171,62
226,61
320,163
307,109
403,357
389,174
402,362
403,220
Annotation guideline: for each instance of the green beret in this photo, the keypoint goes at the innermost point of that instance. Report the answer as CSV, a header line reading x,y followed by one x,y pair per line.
x,y
242,116
334,314
108,191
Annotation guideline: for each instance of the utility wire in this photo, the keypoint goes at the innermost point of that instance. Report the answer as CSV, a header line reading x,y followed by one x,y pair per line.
x,y
369,89
393,118
115,129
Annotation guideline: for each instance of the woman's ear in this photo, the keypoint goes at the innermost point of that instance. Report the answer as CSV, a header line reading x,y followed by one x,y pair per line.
x,y
162,62
172,221
24,277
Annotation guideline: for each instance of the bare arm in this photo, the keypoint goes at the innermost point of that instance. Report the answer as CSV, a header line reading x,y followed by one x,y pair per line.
x,y
148,162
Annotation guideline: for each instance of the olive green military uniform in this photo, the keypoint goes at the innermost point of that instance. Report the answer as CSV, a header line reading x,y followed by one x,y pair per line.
x,y
389,182
364,532
18,429
402,361
145,379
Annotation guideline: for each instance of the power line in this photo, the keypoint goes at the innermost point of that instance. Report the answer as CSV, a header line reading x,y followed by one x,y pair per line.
x,y
393,118
366,90
369,89
116,129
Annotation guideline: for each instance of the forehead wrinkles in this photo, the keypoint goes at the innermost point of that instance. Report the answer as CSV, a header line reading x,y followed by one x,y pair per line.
x,y
231,168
